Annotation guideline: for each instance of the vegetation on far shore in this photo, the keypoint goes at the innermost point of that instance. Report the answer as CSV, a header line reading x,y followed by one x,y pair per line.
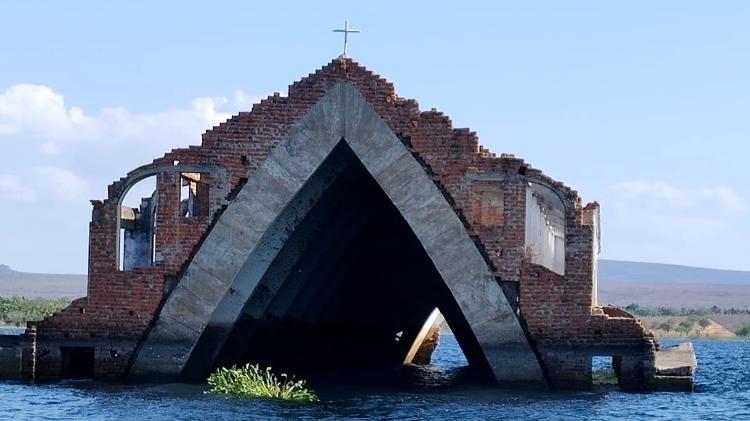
x,y
640,310
683,327
251,380
16,311
690,317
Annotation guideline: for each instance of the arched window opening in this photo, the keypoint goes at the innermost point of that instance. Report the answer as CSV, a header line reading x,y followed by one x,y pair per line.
x,y
137,233
545,228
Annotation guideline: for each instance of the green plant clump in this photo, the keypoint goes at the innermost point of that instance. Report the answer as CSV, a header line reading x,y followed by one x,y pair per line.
x,y
251,380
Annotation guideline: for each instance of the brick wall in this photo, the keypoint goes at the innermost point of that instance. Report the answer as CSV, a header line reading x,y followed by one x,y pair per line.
x,y
566,326
487,192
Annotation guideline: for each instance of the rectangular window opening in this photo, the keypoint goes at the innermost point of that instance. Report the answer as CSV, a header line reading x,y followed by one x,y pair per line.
x,y
194,199
602,371
121,249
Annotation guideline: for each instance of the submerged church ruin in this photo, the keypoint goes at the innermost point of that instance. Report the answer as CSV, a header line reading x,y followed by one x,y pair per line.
x,y
321,231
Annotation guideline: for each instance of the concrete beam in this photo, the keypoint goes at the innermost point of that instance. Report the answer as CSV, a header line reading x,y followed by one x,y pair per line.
x,y
255,225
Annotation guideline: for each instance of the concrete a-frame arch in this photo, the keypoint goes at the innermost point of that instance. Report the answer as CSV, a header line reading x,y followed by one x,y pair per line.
x,y
220,278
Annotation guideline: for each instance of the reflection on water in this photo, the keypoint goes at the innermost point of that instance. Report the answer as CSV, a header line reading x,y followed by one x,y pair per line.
x,y
445,391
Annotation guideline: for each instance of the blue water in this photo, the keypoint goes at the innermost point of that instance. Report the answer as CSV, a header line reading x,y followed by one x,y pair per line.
x,y
438,392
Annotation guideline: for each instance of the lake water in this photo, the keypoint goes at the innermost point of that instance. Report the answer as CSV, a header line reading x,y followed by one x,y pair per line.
x,y
437,392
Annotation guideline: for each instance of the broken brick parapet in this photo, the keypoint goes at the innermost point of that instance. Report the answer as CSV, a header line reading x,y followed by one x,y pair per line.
x,y
568,333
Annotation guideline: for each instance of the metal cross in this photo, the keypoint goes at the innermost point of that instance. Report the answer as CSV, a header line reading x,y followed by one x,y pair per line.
x,y
346,32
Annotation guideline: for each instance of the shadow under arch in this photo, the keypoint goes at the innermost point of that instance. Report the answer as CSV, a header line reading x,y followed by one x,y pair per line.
x,y
348,291
222,282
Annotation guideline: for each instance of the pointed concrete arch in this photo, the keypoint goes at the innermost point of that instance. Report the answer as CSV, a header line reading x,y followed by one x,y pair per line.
x,y
236,254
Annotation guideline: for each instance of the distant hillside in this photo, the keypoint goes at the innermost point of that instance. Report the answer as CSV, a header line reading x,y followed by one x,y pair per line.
x,y
41,285
619,271
620,283
660,285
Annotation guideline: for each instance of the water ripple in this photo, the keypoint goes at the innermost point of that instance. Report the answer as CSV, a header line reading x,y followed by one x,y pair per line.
x,y
415,393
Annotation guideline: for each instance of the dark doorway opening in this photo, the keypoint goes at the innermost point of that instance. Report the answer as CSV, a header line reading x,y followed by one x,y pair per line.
x,y
347,294
77,362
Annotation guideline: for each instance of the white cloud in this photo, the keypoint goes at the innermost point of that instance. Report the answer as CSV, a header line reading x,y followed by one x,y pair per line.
x,y
37,113
650,221
13,189
652,194
728,197
36,109
51,183
62,184
50,147
64,141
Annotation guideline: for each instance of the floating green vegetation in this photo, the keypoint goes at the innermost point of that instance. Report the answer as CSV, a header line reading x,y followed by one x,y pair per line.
x,y
251,380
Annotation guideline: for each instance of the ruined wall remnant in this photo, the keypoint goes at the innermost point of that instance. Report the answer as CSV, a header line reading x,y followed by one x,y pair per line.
x,y
536,240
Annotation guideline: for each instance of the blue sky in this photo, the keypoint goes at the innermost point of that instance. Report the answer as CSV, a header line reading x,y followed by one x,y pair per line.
x,y
641,105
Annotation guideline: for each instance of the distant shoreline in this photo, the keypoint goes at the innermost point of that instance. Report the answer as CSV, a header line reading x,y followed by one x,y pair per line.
x,y
703,338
